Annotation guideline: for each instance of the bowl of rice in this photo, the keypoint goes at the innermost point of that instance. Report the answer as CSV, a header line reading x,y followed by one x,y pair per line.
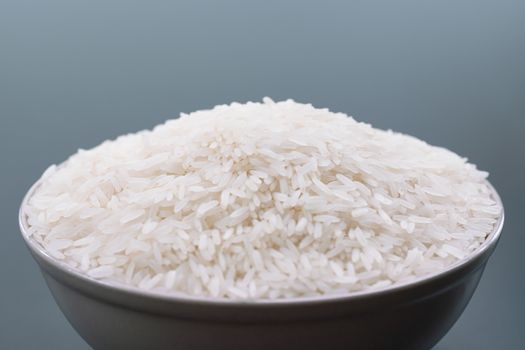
x,y
262,225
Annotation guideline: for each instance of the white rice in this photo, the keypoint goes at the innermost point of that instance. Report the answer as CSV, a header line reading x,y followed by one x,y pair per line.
x,y
262,200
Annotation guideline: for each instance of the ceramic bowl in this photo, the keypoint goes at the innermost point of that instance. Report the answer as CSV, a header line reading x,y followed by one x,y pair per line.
x,y
413,315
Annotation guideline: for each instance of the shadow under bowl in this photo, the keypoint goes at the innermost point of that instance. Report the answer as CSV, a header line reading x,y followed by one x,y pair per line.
x,y
414,315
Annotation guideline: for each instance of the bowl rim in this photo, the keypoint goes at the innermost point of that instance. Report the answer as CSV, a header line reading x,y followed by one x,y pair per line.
x,y
117,287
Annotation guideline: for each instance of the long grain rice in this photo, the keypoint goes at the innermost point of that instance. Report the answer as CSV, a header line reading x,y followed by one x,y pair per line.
x,y
262,200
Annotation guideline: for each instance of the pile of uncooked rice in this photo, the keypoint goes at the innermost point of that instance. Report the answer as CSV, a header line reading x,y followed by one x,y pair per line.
x,y
262,200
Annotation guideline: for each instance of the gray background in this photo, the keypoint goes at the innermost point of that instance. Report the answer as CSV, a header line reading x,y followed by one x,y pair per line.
x,y
75,73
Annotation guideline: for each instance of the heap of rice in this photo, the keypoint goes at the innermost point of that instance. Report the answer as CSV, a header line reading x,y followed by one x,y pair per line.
x,y
262,200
